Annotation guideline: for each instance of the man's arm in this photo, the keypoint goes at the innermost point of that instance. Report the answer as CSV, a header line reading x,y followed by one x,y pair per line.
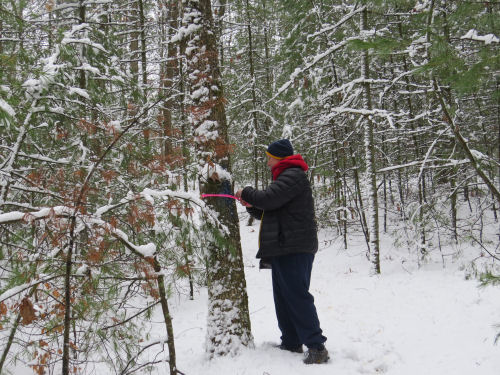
x,y
277,194
255,212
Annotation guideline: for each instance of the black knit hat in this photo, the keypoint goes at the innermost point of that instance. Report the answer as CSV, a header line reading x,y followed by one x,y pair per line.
x,y
280,149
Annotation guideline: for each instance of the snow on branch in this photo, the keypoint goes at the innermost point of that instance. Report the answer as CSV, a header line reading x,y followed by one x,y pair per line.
x,y
5,107
339,23
16,216
427,162
43,158
211,215
190,26
79,91
364,112
150,195
143,251
70,39
348,87
394,81
9,293
487,39
35,86
311,64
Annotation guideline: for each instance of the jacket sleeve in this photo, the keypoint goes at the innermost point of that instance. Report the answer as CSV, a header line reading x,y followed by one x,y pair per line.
x,y
277,194
255,212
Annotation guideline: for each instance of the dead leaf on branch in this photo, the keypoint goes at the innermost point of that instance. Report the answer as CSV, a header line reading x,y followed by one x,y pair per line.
x,y
108,175
3,309
27,311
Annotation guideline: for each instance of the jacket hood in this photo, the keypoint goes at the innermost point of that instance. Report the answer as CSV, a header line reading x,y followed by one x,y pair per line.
x,y
289,162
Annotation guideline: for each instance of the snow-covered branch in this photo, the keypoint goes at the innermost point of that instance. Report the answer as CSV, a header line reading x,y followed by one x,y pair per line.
x,y
472,34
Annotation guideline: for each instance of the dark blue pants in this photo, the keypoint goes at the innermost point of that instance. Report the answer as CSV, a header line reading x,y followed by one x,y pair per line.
x,y
295,310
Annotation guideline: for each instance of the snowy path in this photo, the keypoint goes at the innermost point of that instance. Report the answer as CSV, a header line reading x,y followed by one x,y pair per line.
x,y
430,321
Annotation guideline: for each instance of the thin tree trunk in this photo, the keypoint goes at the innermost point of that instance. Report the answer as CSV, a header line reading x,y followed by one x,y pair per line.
x,y
82,19
344,188
72,242
185,149
267,56
359,199
134,43
498,142
370,158
491,154
10,340
167,318
67,296
254,97
463,143
453,211
1,44
385,201
218,24
269,91
168,80
421,182
142,24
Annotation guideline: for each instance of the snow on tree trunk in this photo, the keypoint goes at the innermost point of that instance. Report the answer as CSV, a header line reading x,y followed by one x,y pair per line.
x,y
228,325
371,178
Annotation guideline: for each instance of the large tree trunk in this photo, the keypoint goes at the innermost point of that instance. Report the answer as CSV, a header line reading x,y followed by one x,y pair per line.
x,y
228,317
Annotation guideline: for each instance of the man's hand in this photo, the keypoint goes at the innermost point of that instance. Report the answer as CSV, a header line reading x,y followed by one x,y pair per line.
x,y
238,195
246,204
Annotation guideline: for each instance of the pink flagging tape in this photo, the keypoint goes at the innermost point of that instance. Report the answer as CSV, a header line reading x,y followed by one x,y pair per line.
x,y
220,196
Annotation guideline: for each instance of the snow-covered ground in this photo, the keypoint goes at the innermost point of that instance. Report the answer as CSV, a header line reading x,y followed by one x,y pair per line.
x,y
406,321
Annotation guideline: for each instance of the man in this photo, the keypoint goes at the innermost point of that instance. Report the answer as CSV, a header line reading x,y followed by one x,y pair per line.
x,y
287,244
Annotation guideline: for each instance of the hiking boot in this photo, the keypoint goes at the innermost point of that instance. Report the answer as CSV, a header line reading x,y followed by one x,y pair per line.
x,y
297,349
316,356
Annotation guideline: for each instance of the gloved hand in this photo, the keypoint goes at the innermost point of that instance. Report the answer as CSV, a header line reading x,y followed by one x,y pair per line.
x,y
238,195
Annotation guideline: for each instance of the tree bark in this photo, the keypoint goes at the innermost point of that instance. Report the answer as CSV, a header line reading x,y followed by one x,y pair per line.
x,y
255,124
167,318
370,158
228,316
10,340
142,24
171,70
359,198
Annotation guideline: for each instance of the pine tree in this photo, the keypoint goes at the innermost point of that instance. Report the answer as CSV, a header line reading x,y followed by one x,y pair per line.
x,y
228,325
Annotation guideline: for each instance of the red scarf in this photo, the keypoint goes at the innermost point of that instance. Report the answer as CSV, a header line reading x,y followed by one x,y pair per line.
x,y
288,162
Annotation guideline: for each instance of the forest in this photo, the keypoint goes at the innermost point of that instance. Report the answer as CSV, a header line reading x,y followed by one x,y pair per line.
x,y
115,116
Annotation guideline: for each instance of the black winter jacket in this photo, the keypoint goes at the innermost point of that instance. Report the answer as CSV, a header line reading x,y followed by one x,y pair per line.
x,y
286,209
